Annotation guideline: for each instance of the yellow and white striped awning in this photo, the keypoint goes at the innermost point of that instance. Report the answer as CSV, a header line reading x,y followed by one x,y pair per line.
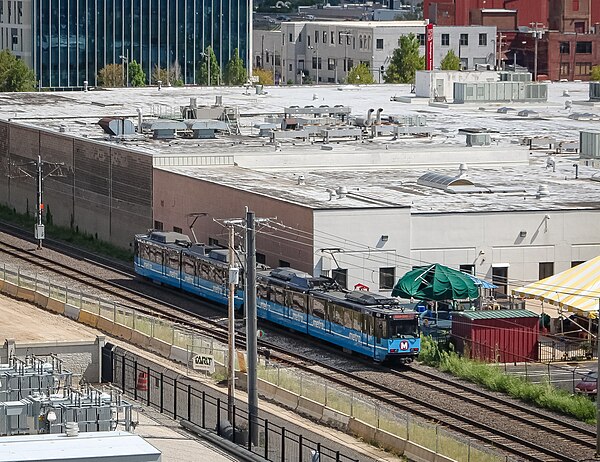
x,y
576,289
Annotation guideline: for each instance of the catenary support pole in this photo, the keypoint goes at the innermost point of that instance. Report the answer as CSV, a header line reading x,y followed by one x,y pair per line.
x,y
597,392
40,203
231,330
251,326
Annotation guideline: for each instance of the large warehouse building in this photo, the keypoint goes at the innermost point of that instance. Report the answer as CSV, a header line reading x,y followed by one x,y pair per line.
x,y
363,210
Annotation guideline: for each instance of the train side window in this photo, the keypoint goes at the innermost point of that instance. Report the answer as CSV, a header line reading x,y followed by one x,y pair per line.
x,y
188,265
278,295
368,323
203,270
298,301
357,320
348,318
219,275
336,314
318,308
173,259
262,291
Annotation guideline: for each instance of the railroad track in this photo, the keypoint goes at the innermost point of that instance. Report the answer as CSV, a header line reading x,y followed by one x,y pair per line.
x,y
477,430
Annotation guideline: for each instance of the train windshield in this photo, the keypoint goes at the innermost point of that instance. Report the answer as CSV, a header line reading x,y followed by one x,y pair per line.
x,y
403,328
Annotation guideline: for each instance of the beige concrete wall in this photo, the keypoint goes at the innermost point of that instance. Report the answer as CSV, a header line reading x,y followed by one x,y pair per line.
x,y
175,196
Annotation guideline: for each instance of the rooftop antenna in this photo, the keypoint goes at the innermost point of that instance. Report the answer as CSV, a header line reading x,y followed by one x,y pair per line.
x,y
195,215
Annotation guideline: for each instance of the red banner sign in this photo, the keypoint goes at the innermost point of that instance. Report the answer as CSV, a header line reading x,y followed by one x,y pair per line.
x,y
429,47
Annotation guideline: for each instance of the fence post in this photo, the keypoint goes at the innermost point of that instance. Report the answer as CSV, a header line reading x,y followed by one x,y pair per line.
x,y
300,443
189,402
203,409
282,444
233,423
266,439
219,416
148,387
175,399
337,456
162,395
135,374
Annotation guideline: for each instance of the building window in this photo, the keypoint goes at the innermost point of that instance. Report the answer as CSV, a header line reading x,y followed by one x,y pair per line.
x,y
291,67
387,277
158,225
332,39
316,62
576,262
483,40
291,38
350,63
307,40
421,38
340,276
330,64
469,269
500,278
261,258
575,5
583,68
177,229
316,36
583,47
565,70
284,264
213,241
579,27
445,40
565,48
379,44
325,36
546,269
300,38
464,39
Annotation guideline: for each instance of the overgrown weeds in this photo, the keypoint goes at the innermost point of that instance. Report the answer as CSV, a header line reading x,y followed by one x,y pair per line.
x,y
488,376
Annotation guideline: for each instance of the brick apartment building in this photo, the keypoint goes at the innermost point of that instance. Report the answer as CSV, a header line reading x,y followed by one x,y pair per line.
x,y
568,48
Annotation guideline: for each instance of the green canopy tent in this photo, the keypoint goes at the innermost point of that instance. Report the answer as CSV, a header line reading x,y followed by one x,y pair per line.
x,y
436,282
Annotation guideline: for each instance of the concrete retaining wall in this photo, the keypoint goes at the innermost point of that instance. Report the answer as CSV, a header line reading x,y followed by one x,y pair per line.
x,y
83,358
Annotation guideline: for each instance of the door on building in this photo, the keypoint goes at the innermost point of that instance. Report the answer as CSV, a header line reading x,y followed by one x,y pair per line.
x,y
500,278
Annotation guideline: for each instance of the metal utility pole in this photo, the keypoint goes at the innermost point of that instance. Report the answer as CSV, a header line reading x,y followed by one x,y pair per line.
x,y
597,389
233,279
537,34
39,228
251,326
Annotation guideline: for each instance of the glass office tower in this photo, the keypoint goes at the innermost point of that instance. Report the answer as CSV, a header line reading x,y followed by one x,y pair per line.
x,y
75,39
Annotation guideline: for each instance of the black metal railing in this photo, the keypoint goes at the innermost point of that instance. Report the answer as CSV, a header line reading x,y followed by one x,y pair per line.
x,y
180,398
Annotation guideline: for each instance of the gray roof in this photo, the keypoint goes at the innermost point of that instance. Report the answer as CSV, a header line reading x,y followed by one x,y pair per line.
x,y
497,314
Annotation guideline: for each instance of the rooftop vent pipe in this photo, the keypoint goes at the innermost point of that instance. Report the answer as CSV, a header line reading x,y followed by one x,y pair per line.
x,y
369,114
463,169
341,192
378,119
140,120
301,180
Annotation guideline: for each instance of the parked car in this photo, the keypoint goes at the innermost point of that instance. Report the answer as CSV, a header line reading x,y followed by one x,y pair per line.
x,y
283,18
588,385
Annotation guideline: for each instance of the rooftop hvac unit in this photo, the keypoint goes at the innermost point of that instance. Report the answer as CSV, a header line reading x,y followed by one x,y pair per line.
x,y
594,91
478,139
117,126
589,142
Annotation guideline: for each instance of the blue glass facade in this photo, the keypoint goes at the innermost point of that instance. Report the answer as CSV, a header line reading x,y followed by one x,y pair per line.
x,y
74,39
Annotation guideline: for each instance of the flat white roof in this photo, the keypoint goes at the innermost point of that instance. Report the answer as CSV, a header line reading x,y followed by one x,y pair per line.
x,y
115,446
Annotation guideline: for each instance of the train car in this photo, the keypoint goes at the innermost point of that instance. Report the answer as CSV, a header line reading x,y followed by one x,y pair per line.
x,y
369,324
170,258
358,321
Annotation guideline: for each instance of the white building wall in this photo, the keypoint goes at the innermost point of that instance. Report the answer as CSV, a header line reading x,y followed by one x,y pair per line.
x,y
358,233
372,43
481,239
15,28
441,83
485,239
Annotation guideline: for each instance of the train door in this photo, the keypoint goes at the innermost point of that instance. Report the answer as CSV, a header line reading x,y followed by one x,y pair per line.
x,y
366,328
379,333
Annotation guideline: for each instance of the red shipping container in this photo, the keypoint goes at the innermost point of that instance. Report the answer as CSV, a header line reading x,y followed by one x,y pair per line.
x,y
504,336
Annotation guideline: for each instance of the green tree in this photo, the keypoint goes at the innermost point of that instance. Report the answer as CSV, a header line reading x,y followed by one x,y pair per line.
x,y
235,72
14,73
595,73
360,74
208,56
137,76
111,75
265,76
405,61
451,62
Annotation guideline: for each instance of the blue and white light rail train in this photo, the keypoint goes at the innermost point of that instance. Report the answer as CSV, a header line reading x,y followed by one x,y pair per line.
x,y
363,322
